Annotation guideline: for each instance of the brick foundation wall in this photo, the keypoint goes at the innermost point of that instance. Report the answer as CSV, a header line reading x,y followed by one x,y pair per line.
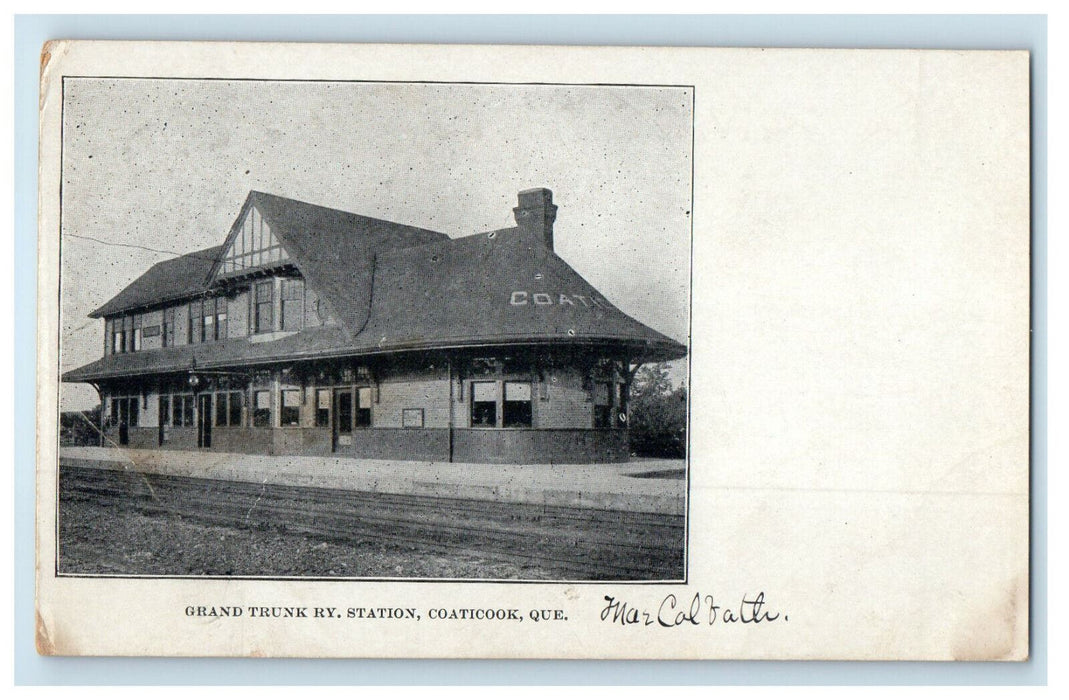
x,y
424,444
427,444
540,446
243,440
301,441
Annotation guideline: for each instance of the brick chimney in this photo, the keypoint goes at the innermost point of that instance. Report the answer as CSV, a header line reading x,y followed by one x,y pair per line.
x,y
536,213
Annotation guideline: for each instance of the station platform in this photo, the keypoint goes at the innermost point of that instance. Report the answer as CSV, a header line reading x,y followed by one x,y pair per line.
x,y
642,485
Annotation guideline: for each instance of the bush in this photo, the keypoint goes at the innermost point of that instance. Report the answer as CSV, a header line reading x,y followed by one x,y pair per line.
x,y
658,425
80,428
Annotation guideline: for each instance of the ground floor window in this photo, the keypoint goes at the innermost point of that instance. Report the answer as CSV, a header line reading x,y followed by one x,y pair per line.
x,y
291,407
323,408
516,411
484,404
363,407
125,410
221,414
181,409
235,403
509,402
228,408
261,414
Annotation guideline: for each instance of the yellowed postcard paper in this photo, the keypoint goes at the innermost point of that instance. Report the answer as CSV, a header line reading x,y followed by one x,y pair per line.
x,y
534,352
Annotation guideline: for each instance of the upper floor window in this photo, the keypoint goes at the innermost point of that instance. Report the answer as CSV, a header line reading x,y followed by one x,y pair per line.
x,y
125,333
208,332
167,332
264,306
135,333
117,339
207,320
220,319
214,319
292,304
196,322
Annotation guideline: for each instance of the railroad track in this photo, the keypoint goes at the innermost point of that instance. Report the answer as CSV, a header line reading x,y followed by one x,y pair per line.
x,y
581,543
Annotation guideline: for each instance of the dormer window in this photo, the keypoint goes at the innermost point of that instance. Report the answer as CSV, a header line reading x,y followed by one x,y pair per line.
x,y
277,304
264,307
292,304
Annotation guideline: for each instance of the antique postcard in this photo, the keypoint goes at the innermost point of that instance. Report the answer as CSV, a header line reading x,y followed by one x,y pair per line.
x,y
533,352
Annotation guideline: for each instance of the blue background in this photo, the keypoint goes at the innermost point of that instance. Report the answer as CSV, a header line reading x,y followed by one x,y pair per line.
x,y
837,31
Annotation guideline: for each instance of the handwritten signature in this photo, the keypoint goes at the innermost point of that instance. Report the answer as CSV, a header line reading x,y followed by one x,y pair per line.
x,y
702,610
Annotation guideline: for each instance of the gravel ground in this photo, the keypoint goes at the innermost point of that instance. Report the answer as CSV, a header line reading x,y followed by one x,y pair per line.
x,y
95,539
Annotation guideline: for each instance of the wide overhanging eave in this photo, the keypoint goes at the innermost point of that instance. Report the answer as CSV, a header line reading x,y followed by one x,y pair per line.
x,y
637,350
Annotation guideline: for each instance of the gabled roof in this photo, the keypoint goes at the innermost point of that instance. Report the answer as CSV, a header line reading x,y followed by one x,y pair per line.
x,y
395,288
169,280
334,249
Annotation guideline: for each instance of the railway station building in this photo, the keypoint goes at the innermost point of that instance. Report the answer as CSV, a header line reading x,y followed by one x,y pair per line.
x,y
316,331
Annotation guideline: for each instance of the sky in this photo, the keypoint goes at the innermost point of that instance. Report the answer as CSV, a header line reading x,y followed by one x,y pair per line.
x,y
157,168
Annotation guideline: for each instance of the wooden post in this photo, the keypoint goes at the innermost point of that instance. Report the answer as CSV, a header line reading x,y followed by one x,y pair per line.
x,y
100,418
452,408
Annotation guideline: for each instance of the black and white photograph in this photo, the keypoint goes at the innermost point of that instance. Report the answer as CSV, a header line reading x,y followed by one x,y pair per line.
x,y
347,329
555,352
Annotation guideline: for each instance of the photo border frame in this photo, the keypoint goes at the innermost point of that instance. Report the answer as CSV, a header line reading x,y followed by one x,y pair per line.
x,y
830,31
